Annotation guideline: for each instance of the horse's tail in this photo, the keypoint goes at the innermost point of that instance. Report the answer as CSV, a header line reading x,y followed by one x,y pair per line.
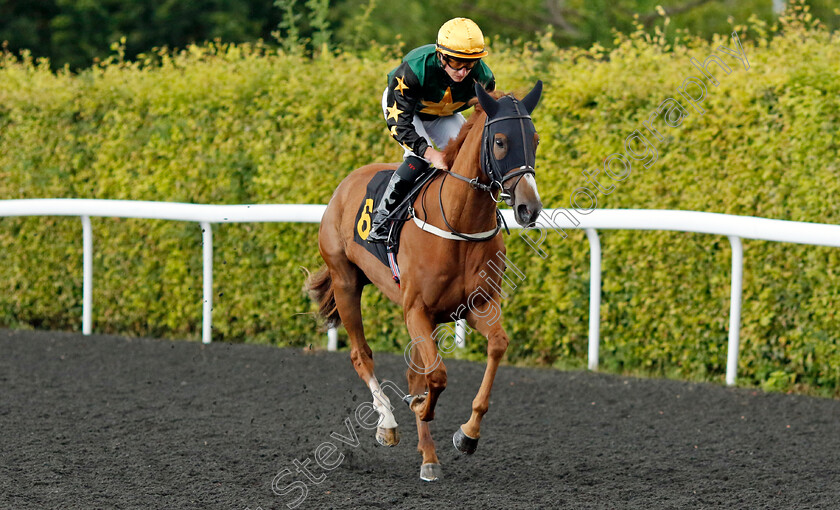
x,y
319,286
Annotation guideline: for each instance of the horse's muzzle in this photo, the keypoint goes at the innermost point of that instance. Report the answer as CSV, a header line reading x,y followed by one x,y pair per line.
x,y
526,215
526,201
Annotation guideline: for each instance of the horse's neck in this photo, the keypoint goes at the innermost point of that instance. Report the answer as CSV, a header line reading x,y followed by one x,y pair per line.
x,y
468,210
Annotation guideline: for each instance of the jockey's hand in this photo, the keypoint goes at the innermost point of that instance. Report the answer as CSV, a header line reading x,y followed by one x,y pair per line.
x,y
436,157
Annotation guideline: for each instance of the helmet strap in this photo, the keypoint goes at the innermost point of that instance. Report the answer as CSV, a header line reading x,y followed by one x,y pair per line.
x,y
441,59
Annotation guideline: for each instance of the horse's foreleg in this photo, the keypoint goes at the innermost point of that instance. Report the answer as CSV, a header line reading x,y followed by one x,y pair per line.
x,y
420,327
430,469
348,295
466,437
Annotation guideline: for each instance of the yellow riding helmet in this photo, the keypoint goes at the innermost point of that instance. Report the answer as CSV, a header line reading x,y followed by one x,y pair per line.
x,y
461,38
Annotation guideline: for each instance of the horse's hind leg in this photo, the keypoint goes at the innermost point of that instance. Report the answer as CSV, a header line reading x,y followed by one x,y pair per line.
x,y
466,437
430,469
347,287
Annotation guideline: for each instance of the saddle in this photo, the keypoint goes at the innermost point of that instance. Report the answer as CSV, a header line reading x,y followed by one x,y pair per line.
x,y
387,252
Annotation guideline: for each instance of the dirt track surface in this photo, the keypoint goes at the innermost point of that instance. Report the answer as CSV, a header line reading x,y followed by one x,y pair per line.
x,y
111,422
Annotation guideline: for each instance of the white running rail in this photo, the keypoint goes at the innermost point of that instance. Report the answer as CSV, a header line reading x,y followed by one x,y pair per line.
x,y
205,215
734,227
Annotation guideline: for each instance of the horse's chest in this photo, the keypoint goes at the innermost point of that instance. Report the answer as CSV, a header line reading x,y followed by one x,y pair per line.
x,y
447,292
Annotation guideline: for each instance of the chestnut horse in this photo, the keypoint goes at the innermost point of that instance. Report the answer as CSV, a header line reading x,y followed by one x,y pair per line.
x,y
442,268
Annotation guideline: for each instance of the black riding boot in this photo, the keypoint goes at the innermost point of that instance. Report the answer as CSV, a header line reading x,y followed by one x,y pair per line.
x,y
398,187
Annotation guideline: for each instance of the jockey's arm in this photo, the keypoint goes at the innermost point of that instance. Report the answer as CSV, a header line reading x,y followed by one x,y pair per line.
x,y
405,89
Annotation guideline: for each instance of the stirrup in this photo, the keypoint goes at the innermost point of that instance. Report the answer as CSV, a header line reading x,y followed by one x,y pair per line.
x,y
374,236
375,239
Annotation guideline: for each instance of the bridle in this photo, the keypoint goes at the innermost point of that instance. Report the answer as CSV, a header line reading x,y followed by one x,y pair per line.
x,y
497,175
490,166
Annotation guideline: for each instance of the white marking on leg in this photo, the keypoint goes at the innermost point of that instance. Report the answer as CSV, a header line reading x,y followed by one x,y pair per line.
x,y
382,405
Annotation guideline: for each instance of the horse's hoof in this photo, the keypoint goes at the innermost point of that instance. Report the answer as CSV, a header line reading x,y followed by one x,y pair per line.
x,y
388,437
430,472
464,443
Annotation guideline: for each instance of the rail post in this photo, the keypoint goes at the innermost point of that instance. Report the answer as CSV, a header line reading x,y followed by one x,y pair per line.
x,y
332,339
594,297
87,278
207,314
461,333
735,310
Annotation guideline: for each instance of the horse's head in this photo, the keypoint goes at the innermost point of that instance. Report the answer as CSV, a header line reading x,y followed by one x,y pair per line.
x,y
508,150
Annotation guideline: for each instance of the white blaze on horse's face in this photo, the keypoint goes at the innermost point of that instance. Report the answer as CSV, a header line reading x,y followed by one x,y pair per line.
x,y
525,201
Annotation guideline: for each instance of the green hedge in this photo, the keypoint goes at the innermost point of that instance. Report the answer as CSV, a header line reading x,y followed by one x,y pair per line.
x,y
228,124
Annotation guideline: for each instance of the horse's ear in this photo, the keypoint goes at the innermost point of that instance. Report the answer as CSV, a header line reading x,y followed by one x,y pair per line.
x,y
490,105
530,101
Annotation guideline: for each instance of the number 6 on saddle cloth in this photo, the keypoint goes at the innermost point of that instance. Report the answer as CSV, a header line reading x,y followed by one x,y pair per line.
x,y
386,253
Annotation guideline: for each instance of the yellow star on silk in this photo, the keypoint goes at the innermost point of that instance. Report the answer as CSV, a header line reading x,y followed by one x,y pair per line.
x,y
394,112
444,108
401,84
394,131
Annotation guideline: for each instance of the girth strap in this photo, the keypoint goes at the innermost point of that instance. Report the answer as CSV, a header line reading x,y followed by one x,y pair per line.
x,y
458,236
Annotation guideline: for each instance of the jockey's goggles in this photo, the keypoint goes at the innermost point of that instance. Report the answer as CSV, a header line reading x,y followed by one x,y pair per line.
x,y
458,64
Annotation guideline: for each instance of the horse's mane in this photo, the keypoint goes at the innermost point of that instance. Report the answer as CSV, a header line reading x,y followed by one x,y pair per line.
x,y
454,146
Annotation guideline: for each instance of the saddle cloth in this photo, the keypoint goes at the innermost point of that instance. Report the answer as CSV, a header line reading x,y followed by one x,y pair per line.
x,y
375,189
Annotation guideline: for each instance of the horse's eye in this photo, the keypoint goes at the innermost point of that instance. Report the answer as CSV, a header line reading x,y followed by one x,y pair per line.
x,y
500,148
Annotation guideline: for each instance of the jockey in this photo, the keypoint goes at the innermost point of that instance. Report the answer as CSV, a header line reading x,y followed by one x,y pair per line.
x,y
425,94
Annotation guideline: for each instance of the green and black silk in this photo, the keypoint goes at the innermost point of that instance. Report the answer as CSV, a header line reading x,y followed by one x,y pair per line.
x,y
420,86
